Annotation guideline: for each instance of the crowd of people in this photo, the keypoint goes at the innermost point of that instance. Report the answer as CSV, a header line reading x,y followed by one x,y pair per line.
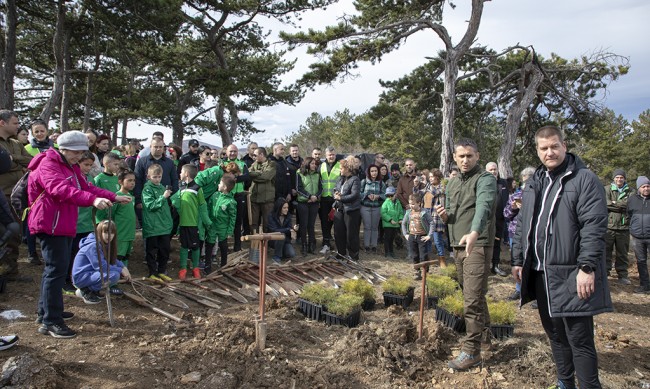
x,y
560,223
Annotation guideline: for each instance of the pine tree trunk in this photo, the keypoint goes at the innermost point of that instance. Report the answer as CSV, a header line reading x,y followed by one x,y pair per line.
x,y
57,87
64,122
8,64
448,112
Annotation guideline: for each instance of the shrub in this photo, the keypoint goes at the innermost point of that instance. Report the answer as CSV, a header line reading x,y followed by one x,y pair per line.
x,y
345,304
397,285
454,303
318,294
450,271
360,288
441,286
502,312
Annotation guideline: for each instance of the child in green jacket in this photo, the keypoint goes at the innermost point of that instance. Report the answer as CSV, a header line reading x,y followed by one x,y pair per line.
x,y
156,223
391,218
108,178
192,210
222,212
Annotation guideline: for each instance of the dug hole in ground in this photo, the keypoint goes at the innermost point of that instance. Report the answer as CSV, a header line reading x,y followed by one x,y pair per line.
x,y
217,349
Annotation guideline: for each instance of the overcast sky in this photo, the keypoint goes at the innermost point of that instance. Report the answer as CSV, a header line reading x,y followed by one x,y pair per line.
x,y
570,28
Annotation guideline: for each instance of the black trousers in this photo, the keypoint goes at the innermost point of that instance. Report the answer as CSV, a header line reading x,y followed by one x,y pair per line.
x,y
307,214
241,220
325,223
157,254
346,232
572,342
389,236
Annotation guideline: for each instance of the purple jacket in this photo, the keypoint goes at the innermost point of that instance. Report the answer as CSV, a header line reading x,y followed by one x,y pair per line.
x,y
510,213
64,189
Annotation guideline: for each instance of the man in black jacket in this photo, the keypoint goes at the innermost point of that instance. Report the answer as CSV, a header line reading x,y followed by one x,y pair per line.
x,y
559,256
189,157
500,221
638,212
282,173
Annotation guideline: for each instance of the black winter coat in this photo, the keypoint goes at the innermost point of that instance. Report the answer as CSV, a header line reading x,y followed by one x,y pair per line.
x,y
576,230
638,212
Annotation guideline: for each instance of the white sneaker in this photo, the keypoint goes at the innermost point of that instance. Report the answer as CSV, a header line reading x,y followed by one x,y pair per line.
x,y
325,249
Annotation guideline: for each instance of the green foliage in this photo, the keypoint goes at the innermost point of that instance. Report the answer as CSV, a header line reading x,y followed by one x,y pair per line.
x,y
359,287
344,304
502,312
318,294
441,286
450,271
454,303
397,285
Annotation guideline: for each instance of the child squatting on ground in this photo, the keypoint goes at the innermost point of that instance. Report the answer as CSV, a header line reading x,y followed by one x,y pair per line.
x,y
86,269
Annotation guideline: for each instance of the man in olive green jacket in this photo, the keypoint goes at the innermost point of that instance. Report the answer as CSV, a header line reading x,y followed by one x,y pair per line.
x,y
469,212
618,225
262,174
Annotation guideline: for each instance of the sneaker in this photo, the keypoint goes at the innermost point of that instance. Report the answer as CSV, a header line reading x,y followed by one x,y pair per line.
x,y
65,315
69,289
642,289
61,331
33,259
155,278
464,361
88,296
8,341
182,274
558,385
325,249
115,291
533,305
624,281
417,276
515,296
277,260
164,277
497,271
196,273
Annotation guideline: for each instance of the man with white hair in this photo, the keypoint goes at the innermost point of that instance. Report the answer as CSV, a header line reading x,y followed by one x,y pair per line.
x,y
502,200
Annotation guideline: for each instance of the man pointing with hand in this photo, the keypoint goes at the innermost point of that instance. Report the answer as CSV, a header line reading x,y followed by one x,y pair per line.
x,y
470,202
559,256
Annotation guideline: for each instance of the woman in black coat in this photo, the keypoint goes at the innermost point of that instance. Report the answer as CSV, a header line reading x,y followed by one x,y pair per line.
x,y
347,217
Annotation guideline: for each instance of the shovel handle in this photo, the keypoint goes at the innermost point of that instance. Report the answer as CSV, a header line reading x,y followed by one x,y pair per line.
x,y
422,264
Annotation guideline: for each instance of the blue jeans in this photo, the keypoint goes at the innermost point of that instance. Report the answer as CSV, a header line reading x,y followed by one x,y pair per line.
x,y
439,240
517,284
283,249
56,255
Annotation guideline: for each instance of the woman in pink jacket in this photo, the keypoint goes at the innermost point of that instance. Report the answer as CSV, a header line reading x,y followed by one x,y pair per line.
x,y
55,190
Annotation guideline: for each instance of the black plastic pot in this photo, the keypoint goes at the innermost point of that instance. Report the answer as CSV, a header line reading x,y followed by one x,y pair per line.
x,y
395,299
456,323
351,321
432,302
368,305
502,331
310,310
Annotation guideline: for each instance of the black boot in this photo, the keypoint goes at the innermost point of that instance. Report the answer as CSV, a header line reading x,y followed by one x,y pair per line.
x,y
303,250
312,247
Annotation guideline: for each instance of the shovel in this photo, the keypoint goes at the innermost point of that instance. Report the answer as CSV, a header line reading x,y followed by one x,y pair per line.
x,y
141,301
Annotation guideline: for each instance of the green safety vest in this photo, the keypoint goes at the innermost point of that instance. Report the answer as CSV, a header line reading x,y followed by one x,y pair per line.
x,y
329,179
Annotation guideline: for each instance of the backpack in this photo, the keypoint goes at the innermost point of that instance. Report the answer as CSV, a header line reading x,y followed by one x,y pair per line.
x,y
18,197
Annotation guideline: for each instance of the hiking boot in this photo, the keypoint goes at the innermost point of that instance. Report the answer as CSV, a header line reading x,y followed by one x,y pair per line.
x,y
33,259
277,260
164,277
643,289
464,361
69,289
495,270
515,296
366,250
8,341
61,331
182,274
303,249
624,281
560,385
533,305
65,315
373,250
88,296
325,249
442,261
196,273
312,248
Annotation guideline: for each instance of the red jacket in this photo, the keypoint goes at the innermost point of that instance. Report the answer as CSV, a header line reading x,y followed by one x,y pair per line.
x,y
64,189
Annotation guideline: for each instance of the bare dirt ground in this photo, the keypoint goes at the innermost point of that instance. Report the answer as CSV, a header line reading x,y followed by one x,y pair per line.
x,y
146,350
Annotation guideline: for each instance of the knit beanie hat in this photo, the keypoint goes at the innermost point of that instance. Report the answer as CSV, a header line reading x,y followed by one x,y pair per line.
x,y
619,172
72,140
642,180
